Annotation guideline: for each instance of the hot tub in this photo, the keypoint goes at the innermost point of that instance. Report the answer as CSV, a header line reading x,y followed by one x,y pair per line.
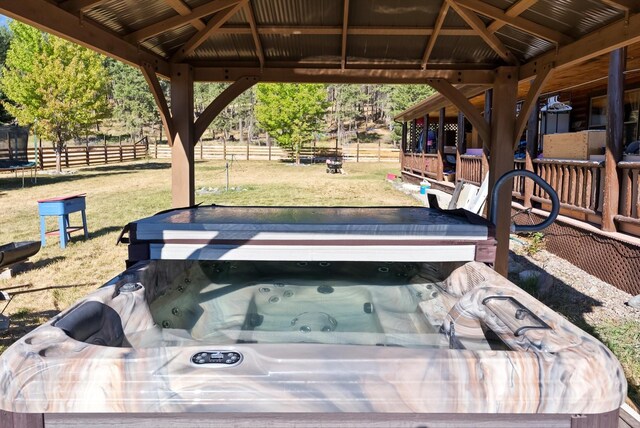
x,y
312,317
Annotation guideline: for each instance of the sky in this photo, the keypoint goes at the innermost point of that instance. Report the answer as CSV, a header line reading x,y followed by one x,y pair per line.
x,y
3,20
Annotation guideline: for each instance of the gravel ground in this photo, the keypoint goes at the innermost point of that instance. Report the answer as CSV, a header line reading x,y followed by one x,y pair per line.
x,y
579,295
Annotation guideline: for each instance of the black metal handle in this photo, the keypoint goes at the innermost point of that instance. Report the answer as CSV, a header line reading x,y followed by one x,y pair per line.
x,y
555,202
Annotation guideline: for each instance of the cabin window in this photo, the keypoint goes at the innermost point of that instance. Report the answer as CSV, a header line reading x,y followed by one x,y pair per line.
x,y
598,114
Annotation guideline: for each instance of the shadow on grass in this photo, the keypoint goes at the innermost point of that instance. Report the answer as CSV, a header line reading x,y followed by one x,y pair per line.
x,y
22,323
573,304
27,266
13,183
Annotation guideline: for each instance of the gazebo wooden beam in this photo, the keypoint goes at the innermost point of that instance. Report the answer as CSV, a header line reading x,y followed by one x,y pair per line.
x,y
625,5
248,10
337,75
156,90
287,30
345,27
460,100
48,17
619,34
180,20
202,35
532,98
183,9
490,39
434,36
75,6
221,101
514,10
516,21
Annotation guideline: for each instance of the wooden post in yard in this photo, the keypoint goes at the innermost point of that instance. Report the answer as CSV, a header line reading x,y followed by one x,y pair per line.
x,y
201,149
440,147
357,151
66,156
532,151
615,128
155,148
182,156
247,147
461,147
106,155
503,124
224,148
86,157
379,151
120,150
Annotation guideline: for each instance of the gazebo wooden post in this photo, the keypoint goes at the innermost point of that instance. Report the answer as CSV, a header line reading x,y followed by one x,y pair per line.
x,y
532,151
488,106
502,130
182,151
440,146
613,154
461,146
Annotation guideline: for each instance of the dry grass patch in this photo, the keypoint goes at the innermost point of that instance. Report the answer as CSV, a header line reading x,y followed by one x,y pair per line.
x,y
118,194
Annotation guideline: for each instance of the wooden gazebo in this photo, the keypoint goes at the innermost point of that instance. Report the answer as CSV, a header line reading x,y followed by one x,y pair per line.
x,y
459,47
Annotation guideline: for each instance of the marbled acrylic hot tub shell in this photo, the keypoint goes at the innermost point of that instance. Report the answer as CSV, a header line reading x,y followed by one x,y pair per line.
x,y
368,337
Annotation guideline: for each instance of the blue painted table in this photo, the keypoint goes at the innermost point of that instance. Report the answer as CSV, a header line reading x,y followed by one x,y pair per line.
x,y
61,207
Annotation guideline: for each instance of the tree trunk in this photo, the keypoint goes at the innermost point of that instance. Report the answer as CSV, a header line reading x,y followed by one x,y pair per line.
x,y
58,149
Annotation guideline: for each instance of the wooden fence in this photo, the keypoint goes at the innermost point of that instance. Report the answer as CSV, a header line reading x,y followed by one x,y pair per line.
x,y
470,169
75,156
351,153
629,206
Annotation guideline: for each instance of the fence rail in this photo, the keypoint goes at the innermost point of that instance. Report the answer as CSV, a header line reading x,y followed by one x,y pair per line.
x,y
351,153
74,156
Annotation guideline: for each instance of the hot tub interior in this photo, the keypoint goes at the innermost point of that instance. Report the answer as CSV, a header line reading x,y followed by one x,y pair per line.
x,y
226,303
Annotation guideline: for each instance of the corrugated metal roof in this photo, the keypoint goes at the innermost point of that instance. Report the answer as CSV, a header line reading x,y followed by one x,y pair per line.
x,y
574,18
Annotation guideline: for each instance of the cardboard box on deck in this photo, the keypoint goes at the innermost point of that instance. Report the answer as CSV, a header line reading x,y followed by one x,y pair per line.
x,y
574,145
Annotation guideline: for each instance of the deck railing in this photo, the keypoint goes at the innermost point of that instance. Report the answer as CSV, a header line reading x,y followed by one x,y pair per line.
x,y
629,206
578,183
470,169
423,164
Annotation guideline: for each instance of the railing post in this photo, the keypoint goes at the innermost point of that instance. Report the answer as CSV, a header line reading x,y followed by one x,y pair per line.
x,y
488,108
532,152
440,146
66,156
615,127
461,147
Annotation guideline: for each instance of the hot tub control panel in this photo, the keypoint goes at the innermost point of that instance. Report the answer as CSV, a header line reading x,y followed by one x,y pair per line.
x,y
217,358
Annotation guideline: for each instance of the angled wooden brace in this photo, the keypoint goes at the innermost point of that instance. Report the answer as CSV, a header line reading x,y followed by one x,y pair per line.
x,y
532,97
221,101
454,95
165,114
